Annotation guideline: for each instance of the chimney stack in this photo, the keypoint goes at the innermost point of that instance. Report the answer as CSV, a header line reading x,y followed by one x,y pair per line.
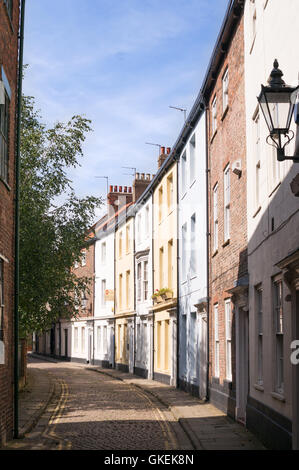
x,y
140,184
162,157
117,198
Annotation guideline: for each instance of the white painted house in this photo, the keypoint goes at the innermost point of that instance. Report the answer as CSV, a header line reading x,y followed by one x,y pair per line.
x,y
192,267
143,291
271,32
104,298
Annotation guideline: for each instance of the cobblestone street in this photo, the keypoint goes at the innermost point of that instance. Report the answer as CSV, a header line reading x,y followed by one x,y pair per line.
x,y
92,409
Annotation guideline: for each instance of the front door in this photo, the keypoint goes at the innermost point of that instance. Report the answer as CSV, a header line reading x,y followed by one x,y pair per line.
x,y
242,371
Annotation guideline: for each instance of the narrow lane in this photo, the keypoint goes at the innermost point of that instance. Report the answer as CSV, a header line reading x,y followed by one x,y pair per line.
x,y
92,411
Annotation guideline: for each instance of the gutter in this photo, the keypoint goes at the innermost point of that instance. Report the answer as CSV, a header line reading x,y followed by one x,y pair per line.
x,y
17,220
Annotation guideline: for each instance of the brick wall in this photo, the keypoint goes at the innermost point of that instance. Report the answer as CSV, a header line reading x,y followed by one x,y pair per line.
x,y
8,59
227,145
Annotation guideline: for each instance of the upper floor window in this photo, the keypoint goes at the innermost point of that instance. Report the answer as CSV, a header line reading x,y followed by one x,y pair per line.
x,y
192,146
193,264
145,280
139,228
183,172
83,259
226,204
4,132
215,214
120,244
1,299
9,6
214,115
139,280
170,192
257,159
103,253
184,252
103,293
225,90
147,220
127,239
160,203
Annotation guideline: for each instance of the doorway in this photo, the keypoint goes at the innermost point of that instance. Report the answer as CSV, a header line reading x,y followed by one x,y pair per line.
x,y
242,366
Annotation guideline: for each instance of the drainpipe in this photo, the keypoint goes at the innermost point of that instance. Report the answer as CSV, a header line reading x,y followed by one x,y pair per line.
x,y
178,285
207,248
153,320
134,274
114,301
17,198
94,293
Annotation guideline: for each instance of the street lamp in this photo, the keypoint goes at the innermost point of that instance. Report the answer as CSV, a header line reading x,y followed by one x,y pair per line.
x,y
277,102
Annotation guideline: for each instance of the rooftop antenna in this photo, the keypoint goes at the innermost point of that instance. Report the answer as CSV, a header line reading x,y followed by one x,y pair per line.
x,y
156,145
130,168
184,110
106,178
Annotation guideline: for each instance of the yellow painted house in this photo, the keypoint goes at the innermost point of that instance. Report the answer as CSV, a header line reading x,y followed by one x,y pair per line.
x,y
165,276
124,295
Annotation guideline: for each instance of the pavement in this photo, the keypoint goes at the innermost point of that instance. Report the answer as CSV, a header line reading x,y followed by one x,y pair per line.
x,y
78,406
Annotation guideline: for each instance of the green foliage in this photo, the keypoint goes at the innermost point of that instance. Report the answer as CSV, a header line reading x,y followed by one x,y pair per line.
x,y
51,236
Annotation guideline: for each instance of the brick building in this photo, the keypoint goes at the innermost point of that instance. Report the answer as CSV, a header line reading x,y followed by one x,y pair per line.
x,y
223,92
9,26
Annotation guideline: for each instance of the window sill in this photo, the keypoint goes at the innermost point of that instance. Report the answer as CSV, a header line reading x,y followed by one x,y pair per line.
x,y
227,242
278,396
258,387
213,136
224,113
257,211
274,189
5,184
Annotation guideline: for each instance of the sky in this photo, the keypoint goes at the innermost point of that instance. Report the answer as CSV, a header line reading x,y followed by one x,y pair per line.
x,y
120,63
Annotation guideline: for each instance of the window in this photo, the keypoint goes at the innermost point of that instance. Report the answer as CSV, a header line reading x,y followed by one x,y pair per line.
x,y
127,239
170,192
215,215
257,159
1,299
160,203
4,133
145,280
259,329
120,291
216,333
138,228
83,259
9,6
226,203
193,263
278,338
103,292
161,266
127,289
139,268
192,159
82,339
228,339
120,244
76,342
184,252
103,253
104,339
214,115
99,339
183,173
170,264
225,90
147,221
76,265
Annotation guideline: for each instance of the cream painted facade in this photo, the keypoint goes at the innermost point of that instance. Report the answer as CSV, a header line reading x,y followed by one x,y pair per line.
x,y
271,29
165,276
124,295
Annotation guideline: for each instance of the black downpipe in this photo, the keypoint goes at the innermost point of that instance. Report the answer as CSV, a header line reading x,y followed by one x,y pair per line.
x,y
17,216
208,248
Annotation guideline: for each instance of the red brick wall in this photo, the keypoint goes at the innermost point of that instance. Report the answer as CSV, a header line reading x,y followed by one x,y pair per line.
x,y
87,270
227,145
8,59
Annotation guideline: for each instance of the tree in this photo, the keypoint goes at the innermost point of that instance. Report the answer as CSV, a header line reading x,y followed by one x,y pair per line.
x,y
52,235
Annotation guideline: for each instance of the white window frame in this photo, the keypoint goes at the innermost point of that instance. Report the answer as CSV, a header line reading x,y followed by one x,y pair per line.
x,y
214,115
225,90
278,318
215,217
145,280
83,259
104,253
193,250
192,163
216,342
228,338
103,292
184,173
226,190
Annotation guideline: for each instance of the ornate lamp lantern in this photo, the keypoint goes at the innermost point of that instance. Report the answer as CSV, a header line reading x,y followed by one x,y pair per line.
x,y
277,102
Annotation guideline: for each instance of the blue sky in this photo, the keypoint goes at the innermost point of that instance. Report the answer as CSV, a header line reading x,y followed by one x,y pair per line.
x,y
121,63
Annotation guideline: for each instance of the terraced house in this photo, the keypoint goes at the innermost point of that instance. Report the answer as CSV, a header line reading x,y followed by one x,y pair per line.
x,y
9,28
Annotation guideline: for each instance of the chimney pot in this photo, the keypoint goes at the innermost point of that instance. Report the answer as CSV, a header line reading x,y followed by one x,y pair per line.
x,y
168,150
130,189
137,176
125,189
142,176
115,189
162,150
148,176
110,188
120,189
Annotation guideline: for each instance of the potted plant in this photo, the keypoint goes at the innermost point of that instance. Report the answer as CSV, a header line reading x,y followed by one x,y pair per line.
x,y
166,293
157,297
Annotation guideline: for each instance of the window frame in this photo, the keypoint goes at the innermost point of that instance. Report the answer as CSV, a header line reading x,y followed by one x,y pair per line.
x,y
215,218
225,81
278,335
226,202
228,338
4,138
214,115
